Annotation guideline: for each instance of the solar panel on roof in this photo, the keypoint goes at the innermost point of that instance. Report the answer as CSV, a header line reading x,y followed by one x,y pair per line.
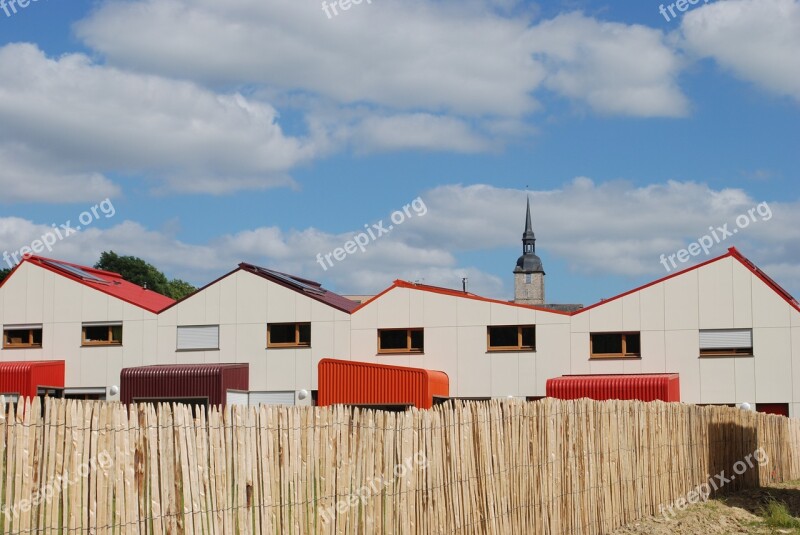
x,y
78,272
292,281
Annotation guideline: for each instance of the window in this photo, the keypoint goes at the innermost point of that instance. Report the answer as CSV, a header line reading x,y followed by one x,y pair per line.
x,y
528,278
22,336
198,338
102,334
289,335
610,345
726,342
511,338
400,341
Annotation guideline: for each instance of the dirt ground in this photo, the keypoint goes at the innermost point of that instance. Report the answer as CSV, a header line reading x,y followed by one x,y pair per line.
x,y
736,513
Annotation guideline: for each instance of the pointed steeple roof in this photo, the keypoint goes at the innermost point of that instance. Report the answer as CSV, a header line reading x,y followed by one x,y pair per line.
x,y
528,234
529,262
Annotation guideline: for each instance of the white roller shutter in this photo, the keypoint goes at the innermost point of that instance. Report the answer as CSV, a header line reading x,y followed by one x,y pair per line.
x,y
205,337
272,398
237,397
726,339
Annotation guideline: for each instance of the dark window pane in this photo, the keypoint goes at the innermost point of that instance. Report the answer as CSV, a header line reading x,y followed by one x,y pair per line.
x,y
503,337
37,337
116,334
96,334
17,337
632,343
607,344
529,337
305,334
283,333
417,343
394,340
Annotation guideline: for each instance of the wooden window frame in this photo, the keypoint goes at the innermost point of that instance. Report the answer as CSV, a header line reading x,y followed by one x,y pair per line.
x,y
103,343
519,347
408,349
297,343
624,354
29,345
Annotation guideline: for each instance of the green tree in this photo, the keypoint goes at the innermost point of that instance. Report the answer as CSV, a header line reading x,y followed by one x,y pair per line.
x,y
4,273
139,272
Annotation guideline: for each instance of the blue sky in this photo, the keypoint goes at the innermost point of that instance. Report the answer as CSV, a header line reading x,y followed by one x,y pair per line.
x,y
263,131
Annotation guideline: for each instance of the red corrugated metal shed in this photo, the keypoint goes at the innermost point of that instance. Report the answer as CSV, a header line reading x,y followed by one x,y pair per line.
x,y
25,378
649,387
364,383
173,381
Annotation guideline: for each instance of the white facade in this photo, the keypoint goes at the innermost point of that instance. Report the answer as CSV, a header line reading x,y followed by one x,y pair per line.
x,y
668,315
243,304
37,296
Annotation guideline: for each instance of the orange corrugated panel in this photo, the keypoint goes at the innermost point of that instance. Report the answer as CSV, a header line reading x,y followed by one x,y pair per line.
x,y
365,383
25,378
647,387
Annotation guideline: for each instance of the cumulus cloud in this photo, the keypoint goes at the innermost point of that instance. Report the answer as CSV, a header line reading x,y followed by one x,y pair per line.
x,y
596,229
68,122
757,40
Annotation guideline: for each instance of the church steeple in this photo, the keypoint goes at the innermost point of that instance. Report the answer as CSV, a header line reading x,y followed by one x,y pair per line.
x,y
529,262
529,273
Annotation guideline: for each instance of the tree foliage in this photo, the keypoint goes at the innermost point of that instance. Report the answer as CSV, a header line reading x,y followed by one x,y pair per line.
x,y
139,272
4,273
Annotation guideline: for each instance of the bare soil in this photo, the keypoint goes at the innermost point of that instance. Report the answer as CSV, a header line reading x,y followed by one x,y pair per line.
x,y
736,513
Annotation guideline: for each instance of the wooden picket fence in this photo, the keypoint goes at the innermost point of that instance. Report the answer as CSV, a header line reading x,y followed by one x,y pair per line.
x,y
506,467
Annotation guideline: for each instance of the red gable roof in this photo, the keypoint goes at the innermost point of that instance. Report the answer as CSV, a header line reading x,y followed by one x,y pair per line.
x,y
103,281
732,253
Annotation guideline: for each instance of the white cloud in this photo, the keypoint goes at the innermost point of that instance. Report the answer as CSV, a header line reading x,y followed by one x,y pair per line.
x,y
467,58
614,68
601,230
81,120
758,40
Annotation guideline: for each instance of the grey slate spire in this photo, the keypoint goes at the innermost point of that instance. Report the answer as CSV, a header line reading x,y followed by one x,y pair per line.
x,y
529,262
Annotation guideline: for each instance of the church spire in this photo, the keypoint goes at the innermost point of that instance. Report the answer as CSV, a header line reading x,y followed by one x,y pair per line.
x,y
528,237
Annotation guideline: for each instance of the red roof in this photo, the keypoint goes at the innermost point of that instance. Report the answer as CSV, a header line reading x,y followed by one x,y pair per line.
x,y
732,253
103,281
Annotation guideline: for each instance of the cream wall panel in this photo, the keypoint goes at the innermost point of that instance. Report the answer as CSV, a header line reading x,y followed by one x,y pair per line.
x,y
34,298
473,376
416,307
364,346
631,317
473,312
683,351
192,311
367,316
769,309
114,364
227,298
212,303
795,341
505,374
613,366
795,315
48,298
341,346
393,310
527,376
681,302
632,366
440,311
149,342
304,362
606,317
281,368
579,323
15,301
94,365
94,305
302,307
254,294
773,354
552,357
716,295
258,372
167,342
544,318
132,342
67,301
654,356
250,341
717,380
745,379
322,312
503,315
401,359
168,317
651,306
742,295
579,354
281,304
322,344
441,350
